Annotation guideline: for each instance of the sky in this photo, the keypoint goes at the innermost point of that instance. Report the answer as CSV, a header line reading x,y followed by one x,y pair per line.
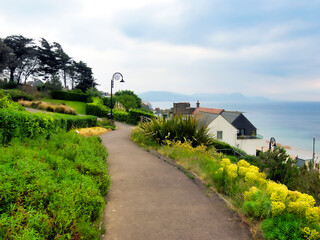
x,y
266,48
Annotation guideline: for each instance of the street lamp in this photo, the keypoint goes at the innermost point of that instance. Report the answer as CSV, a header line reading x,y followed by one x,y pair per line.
x,y
116,76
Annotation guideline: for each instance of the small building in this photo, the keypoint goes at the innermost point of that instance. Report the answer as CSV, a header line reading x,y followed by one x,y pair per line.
x,y
230,127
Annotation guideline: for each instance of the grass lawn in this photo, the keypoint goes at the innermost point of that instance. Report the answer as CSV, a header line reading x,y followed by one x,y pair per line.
x,y
79,107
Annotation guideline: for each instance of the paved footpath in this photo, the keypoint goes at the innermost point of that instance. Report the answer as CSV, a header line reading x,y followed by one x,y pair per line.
x,y
150,199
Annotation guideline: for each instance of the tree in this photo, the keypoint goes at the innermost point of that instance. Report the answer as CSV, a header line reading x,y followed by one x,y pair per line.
x,y
49,63
278,165
138,100
64,61
83,76
5,52
128,101
21,50
53,84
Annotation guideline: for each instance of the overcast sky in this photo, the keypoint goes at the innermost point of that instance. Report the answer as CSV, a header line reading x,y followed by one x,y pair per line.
x,y
267,48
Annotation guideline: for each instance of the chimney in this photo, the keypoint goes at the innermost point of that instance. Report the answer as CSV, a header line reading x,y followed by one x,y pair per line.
x,y
198,104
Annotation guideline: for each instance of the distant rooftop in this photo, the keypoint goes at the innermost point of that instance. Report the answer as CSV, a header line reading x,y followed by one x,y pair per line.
x,y
207,110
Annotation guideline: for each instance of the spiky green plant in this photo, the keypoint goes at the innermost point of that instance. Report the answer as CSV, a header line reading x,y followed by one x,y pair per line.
x,y
177,129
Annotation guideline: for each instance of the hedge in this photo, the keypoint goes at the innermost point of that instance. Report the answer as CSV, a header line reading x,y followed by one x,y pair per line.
x,y
98,110
17,95
23,124
72,96
135,114
227,149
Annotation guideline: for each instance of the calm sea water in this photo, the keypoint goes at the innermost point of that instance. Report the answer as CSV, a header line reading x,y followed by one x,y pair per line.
x,y
290,123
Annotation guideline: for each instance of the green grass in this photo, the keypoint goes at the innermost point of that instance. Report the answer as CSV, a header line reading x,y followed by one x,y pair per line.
x,y
79,107
53,189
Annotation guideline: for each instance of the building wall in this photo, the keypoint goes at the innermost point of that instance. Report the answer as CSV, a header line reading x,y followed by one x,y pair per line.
x,y
250,146
230,136
229,133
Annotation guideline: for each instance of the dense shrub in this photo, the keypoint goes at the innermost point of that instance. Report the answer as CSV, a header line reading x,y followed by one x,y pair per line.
x,y
98,110
17,95
282,227
107,101
63,109
120,116
8,85
177,129
106,123
227,149
53,189
72,96
7,103
278,165
135,115
23,124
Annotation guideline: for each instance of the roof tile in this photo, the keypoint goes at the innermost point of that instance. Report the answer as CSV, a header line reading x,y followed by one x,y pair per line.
x,y
207,110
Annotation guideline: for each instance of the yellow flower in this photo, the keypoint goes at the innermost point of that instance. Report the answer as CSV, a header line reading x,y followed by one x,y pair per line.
x,y
298,207
293,195
311,234
243,163
225,162
251,177
312,214
279,193
232,170
277,208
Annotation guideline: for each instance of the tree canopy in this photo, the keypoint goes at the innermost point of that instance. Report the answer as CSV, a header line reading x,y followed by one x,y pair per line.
x,y
136,101
45,60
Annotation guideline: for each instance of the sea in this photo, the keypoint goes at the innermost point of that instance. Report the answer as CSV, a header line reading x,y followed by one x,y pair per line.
x,y
292,124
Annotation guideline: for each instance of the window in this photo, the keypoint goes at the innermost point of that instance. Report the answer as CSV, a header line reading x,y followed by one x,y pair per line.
x,y
219,135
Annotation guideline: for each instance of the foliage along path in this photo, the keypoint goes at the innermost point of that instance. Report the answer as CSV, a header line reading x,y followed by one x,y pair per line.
x,y
151,199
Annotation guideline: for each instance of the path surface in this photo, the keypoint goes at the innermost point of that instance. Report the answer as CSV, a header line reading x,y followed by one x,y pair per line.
x,y
150,199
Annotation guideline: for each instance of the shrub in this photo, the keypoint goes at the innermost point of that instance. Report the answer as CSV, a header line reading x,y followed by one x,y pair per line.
x,y
64,109
17,95
177,129
286,226
107,101
23,124
7,103
135,114
43,106
50,108
98,110
72,96
25,103
120,116
106,123
278,166
53,189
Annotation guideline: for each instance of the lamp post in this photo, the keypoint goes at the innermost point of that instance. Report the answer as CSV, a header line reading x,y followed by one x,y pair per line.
x,y
116,76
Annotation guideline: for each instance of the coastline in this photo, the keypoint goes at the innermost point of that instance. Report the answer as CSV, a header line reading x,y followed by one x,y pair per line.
x,y
296,152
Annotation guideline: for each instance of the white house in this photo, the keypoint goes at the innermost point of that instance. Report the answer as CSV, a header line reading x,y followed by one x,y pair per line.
x,y
230,127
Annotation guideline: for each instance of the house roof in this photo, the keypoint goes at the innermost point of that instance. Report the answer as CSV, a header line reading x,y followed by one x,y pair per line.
x,y
230,116
207,110
205,118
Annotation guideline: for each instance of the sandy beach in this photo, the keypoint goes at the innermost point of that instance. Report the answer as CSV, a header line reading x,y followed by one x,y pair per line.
x,y
296,152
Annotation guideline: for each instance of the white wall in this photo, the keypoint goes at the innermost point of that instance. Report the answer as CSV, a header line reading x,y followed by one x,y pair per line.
x,y
229,132
251,145
229,136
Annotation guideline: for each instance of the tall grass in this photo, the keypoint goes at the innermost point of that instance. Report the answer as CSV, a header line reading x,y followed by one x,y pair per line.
x,y
177,129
